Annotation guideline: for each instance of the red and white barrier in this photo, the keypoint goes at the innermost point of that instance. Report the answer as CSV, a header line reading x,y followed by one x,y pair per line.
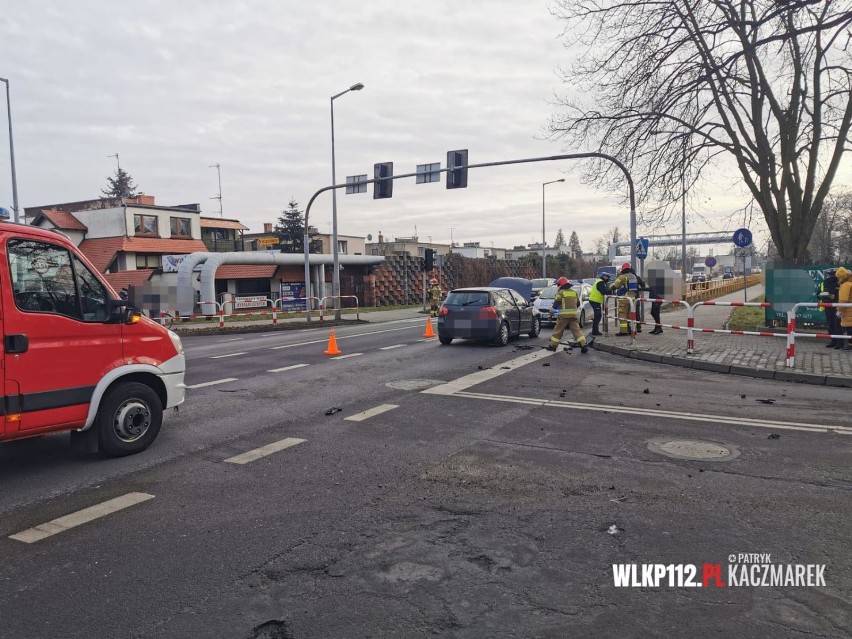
x,y
791,328
340,297
690,338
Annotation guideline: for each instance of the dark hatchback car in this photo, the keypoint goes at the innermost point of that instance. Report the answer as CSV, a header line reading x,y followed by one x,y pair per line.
x,y
488,313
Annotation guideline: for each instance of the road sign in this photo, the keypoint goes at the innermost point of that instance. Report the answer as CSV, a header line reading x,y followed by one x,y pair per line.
x,y
710,262
268,241
641,248
742,237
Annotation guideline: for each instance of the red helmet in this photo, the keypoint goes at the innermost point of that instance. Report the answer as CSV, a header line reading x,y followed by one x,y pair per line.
x,y
625,266
433,281
562,281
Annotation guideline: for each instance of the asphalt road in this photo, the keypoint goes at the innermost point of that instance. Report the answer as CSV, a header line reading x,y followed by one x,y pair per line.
x,y
483,492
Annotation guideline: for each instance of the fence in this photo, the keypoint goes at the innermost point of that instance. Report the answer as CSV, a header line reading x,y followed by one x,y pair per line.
x,y
691,329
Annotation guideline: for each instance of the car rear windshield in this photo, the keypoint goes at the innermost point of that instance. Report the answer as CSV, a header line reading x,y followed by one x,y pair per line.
x,y
468,298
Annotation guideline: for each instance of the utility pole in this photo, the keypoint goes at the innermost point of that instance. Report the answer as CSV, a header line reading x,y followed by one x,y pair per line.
x,y
218,197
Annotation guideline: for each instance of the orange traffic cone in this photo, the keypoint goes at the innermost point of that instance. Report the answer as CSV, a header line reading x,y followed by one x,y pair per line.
x,y
332,346
429,332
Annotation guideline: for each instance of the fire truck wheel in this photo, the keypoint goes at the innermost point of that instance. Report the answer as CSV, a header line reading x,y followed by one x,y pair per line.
x,y
129,419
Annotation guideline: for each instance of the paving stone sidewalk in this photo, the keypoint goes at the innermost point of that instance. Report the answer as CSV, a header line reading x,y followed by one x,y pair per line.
x,y
749,355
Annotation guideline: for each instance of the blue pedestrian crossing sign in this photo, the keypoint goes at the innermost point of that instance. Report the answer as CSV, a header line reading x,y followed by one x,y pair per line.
x,y
641,248
742,237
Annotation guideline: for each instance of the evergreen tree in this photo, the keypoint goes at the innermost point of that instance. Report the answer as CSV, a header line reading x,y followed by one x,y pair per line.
x,y
560,239
290,229
574,245
121,185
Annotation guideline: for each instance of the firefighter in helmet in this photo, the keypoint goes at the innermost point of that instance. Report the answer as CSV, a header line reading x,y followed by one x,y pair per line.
x,y
434,297
621,286
566,304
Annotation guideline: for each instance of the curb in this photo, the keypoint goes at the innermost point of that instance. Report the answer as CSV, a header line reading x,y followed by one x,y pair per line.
x,y
731,369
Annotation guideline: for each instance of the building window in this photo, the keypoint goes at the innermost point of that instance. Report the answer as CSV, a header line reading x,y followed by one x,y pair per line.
x,y
341,246
145,225
148,261
180,226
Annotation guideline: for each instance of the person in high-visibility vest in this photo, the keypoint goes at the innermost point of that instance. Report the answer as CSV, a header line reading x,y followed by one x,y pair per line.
x,y
567,302
596,298
844,296
434,297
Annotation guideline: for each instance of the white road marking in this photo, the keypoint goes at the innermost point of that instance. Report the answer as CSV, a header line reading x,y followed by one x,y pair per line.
x,y
387,348
213,383
232,339
228,355
286,368
458,388
378,410
650,412
340,337
263,451
80,517
345,356
460,384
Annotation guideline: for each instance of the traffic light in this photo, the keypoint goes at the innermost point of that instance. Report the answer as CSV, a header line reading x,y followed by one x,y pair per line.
x,y
457,178
384,188
430,259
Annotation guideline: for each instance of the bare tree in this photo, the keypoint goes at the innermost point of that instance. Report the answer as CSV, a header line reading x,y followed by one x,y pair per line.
x,y
681,85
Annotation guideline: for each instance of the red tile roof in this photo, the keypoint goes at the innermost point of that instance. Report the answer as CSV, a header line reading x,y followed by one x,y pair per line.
x,y
63,220
245,271
101,251
128,278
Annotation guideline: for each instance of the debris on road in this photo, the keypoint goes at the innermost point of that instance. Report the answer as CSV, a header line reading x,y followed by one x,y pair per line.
x,y
333,410
774,436
765,401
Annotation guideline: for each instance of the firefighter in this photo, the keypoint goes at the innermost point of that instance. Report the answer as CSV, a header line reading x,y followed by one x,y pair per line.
x,y
621,287
827,292
596,297
434,297
566,302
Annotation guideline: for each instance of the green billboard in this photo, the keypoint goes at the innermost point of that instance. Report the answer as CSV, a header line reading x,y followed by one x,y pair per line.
x,y
787,285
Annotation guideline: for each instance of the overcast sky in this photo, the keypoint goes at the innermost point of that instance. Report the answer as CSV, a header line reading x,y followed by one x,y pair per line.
x,y
174,87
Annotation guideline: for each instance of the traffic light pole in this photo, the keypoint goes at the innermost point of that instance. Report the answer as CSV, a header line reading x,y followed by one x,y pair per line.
x,y
568,156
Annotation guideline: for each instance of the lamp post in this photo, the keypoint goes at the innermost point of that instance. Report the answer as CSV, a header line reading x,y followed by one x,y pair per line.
x,y
335,275
11,150
543,240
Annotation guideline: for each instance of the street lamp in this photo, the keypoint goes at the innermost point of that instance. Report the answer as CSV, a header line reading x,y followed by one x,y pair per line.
x,y
11,150
335,276
543,240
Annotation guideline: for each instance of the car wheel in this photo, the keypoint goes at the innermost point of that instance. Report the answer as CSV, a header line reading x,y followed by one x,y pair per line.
x,y
129,419
536,327
582,318
446,341
502,335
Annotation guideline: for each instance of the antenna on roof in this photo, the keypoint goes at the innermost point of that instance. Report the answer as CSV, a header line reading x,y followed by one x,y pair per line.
x,y
218,197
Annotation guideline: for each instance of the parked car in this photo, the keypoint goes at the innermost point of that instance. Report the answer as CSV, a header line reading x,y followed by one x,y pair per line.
x,y
544,303
698,277
487,313
541,283
727,275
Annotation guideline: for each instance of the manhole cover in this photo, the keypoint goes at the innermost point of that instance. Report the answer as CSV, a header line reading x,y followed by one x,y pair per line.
x,y
413,384
694,449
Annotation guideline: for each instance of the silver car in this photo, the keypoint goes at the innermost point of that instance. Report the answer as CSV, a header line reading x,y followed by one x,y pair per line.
x,y
544,303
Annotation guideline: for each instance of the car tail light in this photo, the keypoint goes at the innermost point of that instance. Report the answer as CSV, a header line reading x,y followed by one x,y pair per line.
x,y
443,312
488,313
